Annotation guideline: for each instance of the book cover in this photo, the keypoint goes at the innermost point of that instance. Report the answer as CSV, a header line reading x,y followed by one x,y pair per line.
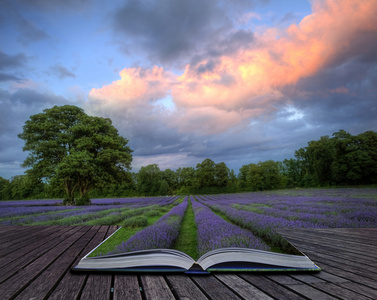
x,y
214,245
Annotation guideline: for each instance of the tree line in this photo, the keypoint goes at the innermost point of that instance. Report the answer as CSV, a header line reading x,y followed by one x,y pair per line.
x,y
77,157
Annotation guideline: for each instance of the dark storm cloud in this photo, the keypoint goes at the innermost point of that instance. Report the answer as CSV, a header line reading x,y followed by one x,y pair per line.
x,y
61,71
9,77
11,62
227,45
339,97
8,61
169,30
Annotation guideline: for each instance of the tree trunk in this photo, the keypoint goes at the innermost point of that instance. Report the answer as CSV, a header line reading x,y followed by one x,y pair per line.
x,y
70,192
84,197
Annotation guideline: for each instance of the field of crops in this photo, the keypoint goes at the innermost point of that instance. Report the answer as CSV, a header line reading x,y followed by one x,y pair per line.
x,y
206,221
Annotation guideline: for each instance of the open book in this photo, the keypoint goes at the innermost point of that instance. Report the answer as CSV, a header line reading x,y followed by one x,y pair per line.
x,y
169,260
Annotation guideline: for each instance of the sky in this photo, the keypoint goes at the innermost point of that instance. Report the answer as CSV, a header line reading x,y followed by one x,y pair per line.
x,y
238,81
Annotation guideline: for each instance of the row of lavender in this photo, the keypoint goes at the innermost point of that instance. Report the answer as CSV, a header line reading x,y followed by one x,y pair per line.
x,y
297,212
262,213
213,232
41,212
160,235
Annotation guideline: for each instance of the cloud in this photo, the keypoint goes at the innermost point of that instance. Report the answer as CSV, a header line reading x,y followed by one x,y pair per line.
x,y
310,78
28,31
47,5
9,77
61,72
8,61
167,31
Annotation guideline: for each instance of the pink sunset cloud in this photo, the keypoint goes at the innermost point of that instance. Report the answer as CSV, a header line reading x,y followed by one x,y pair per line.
x,y
217,94
137,85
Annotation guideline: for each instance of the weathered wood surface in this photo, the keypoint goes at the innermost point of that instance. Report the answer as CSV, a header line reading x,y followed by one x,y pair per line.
x,y
35,263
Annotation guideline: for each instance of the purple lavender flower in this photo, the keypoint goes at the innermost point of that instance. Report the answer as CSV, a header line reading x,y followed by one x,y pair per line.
x,y
214,232
160,235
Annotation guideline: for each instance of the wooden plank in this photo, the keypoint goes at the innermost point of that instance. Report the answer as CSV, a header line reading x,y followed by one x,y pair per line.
x,y
243,288
184,287
358,278
126,287
100,283
213,288
70,287
337,246
327,287
17,265
330,277
20,238
363,235
42,286
307,278
18,281
361,289
310,292
339,271
270,287
346,255
100,287
19,252
339,253
359,269
155,287
339,291
350,261
301,288
13,232
331,243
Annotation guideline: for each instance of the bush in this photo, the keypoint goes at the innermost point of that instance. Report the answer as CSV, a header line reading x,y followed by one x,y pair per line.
x,y
138,221
84,200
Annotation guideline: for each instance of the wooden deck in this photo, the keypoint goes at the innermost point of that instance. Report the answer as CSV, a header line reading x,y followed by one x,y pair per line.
x,y
35,263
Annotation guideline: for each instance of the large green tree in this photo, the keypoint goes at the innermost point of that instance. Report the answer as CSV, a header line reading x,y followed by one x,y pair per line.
x,y
68,147
149,180
205,173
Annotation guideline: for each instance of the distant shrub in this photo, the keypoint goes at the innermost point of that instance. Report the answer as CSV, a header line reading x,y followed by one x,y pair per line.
x,y
138,221
152,213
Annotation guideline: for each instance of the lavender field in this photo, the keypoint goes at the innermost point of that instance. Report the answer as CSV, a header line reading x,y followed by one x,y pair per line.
x,y
230,220
101,212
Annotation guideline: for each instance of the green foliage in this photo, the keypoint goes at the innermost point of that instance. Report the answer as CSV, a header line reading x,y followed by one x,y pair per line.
x,y
69,148
149,180
184,190
21,187
205,173
138,221
87,158
221,175
262,176
343,159
5,193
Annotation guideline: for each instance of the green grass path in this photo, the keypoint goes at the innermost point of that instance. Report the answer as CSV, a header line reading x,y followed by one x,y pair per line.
x,y
187,239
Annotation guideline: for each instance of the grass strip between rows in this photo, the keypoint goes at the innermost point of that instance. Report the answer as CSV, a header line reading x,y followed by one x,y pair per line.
x,y
187,240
